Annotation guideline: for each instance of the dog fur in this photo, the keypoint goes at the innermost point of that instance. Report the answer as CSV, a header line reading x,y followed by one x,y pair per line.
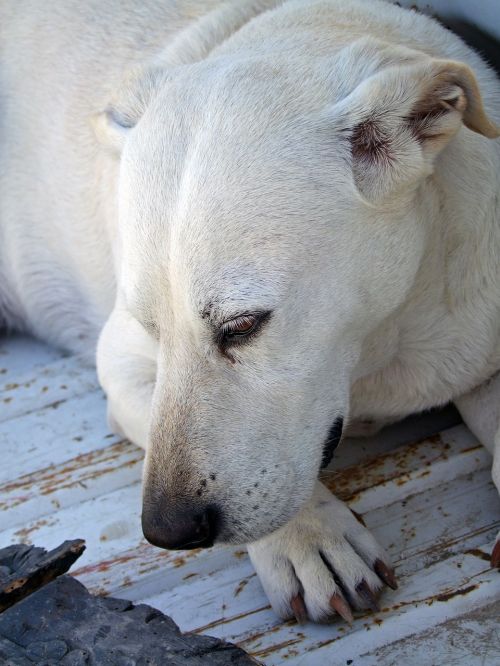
x,y
166,167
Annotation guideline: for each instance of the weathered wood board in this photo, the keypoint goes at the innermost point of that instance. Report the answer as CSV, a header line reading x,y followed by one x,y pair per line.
x,y
423,487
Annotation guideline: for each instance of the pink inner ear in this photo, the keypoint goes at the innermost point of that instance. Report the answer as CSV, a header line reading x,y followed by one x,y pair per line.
x,y
369,143
423,121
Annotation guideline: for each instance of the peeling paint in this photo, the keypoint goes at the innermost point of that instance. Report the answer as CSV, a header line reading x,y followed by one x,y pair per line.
x,y
439,539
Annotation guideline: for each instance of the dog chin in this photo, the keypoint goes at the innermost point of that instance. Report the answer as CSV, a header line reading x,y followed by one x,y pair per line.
x,y
240,533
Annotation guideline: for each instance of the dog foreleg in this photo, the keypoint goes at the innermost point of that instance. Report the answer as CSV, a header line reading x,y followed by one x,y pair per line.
x,y
126,366
480,409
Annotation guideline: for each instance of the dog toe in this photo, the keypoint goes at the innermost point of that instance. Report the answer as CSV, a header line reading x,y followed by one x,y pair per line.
x,y
323,563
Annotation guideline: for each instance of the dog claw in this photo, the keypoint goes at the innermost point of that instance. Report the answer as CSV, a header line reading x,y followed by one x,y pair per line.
x,y
386,574
299,609
495,556
341,607
367,595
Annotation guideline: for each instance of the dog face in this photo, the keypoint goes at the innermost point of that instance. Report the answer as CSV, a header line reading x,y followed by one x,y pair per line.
x,y
266,229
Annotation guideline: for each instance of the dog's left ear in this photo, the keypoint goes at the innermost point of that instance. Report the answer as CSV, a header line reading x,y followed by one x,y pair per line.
x,y
398,121
112,128
126,108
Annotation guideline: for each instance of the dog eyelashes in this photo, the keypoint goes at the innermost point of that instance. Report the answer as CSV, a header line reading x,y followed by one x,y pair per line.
x,y
241,329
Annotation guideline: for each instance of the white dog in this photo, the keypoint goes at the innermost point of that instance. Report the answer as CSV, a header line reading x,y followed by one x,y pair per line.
x,y
276,216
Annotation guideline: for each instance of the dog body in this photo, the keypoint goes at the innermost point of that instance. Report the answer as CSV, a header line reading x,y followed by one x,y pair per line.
x,y
275,217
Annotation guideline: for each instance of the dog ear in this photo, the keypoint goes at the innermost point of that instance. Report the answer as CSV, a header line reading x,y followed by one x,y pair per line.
x,y
112,128
126,108
399,120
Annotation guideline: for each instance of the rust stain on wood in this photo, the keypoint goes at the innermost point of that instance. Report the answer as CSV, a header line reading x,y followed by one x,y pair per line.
x,y
104,565
24,532
396,466
275,648
478,553
242,584
80,469
446,596
232,618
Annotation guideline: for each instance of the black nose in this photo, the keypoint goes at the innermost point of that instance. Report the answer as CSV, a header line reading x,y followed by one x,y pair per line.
x,y
179,530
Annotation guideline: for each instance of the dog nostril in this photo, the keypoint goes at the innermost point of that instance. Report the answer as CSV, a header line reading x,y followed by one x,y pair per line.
x,y
180,531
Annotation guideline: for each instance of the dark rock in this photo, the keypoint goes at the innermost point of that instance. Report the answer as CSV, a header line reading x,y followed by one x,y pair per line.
x,y
62,623
24,569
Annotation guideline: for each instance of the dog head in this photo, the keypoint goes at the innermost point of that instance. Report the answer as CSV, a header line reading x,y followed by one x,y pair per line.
x,y
270,219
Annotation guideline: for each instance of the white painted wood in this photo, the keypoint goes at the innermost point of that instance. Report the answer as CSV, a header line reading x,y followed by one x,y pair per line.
x,y
45,385
54,434
20,355
431,502
82,478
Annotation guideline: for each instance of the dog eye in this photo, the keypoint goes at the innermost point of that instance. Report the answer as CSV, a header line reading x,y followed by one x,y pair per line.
x,y
240,329
240,326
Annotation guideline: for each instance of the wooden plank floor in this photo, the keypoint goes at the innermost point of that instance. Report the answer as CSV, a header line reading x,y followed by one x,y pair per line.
x,y
423,487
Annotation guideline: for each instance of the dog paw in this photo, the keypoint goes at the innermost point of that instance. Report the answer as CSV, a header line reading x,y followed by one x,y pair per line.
x,y
324,561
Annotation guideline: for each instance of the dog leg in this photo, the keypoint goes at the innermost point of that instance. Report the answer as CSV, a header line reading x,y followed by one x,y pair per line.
x,y
480,409
323,561
126,366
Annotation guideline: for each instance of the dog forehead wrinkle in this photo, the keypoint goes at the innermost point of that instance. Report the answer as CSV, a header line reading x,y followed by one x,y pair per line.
x,y
234,282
